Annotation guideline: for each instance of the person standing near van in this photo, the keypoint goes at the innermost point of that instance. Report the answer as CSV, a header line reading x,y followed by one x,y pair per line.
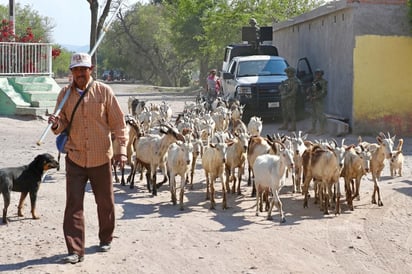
x,y
316,94
288,91
212,84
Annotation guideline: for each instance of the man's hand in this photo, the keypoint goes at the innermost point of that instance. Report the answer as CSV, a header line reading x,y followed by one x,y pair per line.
x,y
54,120
120,160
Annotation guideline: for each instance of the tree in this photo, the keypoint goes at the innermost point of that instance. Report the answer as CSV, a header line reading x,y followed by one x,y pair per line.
x,y
60,64
39,30
140,42
41,26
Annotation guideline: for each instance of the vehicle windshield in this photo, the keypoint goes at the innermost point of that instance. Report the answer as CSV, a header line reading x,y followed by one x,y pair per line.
x,y
261,68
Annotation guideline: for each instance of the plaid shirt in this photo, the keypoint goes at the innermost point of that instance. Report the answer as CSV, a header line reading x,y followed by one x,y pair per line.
x,y
97,116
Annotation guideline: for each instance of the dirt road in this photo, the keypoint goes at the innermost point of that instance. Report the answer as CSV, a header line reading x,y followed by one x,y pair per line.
x,y
153,236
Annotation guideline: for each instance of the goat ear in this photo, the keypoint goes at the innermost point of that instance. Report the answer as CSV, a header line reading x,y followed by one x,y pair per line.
x,y
379,139
393,138
179,136
349,147
308,143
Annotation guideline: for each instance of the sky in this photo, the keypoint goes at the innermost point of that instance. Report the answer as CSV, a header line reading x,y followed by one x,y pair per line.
x,y
71,18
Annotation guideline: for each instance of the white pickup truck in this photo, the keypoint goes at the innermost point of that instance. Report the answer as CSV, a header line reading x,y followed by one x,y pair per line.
x,y
254,80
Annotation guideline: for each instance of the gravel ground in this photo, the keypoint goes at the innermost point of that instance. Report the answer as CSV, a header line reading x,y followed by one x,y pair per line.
x,y
153,236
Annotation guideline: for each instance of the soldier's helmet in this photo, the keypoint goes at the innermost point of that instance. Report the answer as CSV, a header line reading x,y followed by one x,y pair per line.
x,y
318,70
252,21
290,70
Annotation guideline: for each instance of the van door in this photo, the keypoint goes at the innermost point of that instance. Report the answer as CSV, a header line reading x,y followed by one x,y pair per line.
x,y
305,75
304,72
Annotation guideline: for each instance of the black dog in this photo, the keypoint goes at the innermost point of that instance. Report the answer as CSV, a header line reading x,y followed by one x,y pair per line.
x,y
25,179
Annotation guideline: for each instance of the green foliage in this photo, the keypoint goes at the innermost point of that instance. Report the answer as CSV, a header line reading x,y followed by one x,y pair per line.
x,y
60,65
26,17
159,42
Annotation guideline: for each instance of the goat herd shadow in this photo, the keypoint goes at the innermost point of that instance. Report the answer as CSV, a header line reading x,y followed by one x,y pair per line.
x,y
139,203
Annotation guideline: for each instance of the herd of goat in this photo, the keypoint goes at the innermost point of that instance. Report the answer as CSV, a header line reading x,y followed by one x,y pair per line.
x,y
216,135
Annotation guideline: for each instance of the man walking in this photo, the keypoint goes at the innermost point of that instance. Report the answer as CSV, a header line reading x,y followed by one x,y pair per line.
x,y
89,153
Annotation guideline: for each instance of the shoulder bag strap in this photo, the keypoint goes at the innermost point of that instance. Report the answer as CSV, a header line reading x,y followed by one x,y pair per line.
x,y
77,104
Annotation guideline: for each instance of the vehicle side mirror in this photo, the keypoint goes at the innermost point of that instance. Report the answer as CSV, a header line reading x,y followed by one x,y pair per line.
x,y
228,75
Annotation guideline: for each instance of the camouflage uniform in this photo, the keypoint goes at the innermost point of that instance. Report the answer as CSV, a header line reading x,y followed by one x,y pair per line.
x,y
288,91
316,95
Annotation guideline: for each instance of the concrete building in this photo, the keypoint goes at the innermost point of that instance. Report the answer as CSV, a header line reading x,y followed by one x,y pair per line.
x,y
365,49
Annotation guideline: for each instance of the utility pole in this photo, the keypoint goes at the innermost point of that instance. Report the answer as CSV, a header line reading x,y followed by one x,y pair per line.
x,y
11,15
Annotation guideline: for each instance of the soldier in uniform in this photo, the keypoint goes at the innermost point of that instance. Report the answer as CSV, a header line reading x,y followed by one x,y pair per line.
x,y
253,23
288,91
316,94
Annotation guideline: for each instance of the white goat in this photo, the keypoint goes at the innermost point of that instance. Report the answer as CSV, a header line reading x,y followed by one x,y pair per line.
x,y
221,117
213,163
379,152
396,162
255,126
258,146
270,173
197,151
179,158
165,112
150,153
298,147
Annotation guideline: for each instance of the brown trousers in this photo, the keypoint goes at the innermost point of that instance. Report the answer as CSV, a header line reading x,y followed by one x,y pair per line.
x,y
73,225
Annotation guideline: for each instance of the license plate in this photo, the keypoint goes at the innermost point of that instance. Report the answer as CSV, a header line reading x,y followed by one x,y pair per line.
x,y
273,104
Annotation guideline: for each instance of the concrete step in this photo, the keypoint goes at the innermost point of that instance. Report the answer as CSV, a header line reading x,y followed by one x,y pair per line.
x,y
30,96
43,103
34,111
